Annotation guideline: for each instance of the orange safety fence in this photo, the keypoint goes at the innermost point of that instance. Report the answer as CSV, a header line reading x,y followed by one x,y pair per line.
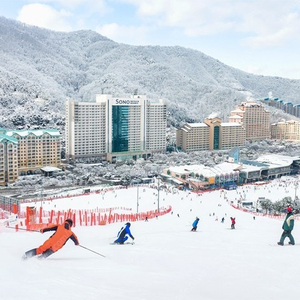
x,y
38,219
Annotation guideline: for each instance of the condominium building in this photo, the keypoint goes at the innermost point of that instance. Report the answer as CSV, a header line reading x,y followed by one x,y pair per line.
x,y
8,158
193,137
115,128
210,135
156,125
85,130
286,130
254,118
36,149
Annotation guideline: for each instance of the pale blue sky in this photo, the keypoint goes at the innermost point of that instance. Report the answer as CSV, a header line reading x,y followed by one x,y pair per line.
x,y
256,36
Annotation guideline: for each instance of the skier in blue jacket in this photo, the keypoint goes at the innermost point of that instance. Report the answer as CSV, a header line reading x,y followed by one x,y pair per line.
x,y
123,234
195,224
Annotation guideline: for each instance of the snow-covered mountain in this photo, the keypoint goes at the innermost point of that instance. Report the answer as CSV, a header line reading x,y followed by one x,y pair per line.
x,y
41,68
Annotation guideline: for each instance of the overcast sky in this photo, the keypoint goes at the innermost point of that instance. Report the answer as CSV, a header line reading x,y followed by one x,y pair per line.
x,y
256,36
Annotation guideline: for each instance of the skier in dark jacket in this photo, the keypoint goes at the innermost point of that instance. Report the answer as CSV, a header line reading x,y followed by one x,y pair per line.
x,y
55,242
195,224
123,234
288,226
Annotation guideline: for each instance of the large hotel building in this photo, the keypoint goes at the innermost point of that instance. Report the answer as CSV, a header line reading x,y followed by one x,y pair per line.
x,y
115,128
210,135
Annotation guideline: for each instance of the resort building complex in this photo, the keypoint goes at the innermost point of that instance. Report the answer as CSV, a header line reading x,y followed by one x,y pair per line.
x,y
121,129
249,121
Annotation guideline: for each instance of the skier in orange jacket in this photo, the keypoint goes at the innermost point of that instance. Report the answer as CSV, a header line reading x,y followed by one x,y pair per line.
x,y
55,242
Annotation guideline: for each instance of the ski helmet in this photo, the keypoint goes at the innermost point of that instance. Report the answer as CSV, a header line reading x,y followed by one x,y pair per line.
x,y
70,222
128,224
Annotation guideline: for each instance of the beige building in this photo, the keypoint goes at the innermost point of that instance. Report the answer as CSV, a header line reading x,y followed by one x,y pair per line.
x,y
286,130
254,118
37,149
193,137
8,159
210,135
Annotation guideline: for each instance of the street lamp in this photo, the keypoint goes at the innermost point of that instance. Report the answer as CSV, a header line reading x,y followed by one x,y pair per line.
x,y
41,196
137,199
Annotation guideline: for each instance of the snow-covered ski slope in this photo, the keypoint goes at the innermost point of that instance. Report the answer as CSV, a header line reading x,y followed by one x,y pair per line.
x,y
167,261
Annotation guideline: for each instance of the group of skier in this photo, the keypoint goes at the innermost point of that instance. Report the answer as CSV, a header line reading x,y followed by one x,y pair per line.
x,y
287,226
62,234
195,223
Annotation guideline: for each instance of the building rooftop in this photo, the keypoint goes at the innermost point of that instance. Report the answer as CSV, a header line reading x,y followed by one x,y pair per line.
x,y
197,124
277,160
4,137
264,162
38,132
231,124
237,111
50,169
235,117
217,170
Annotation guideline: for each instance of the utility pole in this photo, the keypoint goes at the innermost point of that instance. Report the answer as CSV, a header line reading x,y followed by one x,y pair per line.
x,y
137,200
158,189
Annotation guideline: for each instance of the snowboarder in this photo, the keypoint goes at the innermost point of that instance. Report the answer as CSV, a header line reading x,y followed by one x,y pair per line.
x,y
195,224
123,234
232,222
55,242
288,226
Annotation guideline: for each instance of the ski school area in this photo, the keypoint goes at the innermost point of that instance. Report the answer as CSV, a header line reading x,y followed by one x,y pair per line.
x,y
167,260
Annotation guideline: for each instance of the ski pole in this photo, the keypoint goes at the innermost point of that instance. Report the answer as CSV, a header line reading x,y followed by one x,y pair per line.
x,y
22,229
91,250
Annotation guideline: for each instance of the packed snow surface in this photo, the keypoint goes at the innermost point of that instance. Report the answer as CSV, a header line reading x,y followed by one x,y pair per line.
x,y
167,261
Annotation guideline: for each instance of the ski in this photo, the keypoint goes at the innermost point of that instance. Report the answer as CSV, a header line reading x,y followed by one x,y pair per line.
x,y
297,244
24,257
127,243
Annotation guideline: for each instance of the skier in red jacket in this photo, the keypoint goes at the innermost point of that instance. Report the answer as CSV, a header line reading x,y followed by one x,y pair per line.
x,y
56,241
232,222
